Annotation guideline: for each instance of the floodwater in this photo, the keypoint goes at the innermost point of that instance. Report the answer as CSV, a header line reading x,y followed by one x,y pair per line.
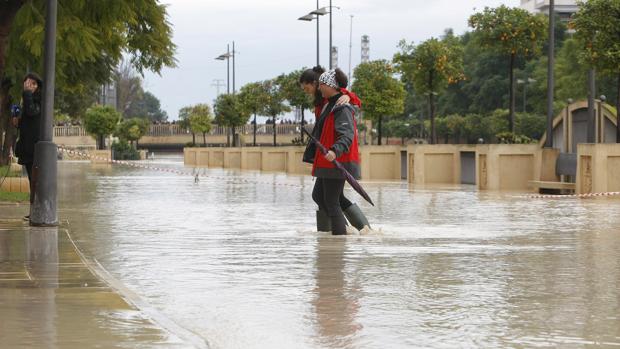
x,y
234,259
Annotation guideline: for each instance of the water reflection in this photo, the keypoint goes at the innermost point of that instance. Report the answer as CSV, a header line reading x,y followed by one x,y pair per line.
x,y
236,261
335,304
28,287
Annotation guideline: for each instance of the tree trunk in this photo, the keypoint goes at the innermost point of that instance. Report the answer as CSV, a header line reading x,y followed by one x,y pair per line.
x,y
618,112
379,129
5,125
100,142
204,139
193,139
228,138
254,129
431,102
431,106
232,130
8,10
274,131
511,115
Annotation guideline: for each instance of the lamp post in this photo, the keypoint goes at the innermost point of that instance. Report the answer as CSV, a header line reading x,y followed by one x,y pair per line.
x,y
309,18
227,56
44,207
550,76
525,82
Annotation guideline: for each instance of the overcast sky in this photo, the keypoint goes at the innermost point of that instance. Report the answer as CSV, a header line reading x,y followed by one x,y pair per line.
x,y
270,40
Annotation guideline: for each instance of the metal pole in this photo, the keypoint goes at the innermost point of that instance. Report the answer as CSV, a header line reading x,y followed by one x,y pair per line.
x,y
317,36
330,34
233,57
350,46
550,76
591,111
43,210
228,69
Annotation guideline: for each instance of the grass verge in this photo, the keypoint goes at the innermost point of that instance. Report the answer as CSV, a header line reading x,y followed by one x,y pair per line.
x,y
14,197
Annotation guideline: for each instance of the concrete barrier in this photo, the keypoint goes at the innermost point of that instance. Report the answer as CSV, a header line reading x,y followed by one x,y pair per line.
x,y
598,168
488,166
16,185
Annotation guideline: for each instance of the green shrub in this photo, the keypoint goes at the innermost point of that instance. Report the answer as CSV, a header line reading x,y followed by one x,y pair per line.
x,y
511,138
121,150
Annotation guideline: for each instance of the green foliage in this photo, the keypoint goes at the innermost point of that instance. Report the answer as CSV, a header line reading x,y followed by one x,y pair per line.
x,y
254,97
147,106
230,111
510,31
198,119
100,121
598,32
383,95
124,151
14,197
430,67
291,90
61,118
512,138
92,39
275,98
132,130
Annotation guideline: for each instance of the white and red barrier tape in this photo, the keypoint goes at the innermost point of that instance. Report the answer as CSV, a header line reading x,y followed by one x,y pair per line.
x,y
196,175
578,196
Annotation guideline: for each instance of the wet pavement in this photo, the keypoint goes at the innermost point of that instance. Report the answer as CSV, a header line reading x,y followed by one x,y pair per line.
x,y
237,262
50,298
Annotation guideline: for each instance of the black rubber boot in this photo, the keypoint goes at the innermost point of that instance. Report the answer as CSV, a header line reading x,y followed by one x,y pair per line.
x,y
356,217
323,222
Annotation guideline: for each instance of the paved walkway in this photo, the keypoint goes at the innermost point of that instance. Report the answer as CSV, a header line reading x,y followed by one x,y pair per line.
x,y
53,297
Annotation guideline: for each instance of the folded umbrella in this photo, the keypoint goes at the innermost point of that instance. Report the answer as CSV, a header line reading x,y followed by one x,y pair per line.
x,y
352,181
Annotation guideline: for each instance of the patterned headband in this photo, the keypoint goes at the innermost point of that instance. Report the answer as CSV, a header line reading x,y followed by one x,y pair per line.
x,y
329,78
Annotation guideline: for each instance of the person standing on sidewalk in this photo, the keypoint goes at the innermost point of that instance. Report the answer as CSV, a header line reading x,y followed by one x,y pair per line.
x,y
309,81
336,130
29,125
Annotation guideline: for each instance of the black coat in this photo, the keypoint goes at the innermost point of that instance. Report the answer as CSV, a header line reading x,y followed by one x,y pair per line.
x,y
29,127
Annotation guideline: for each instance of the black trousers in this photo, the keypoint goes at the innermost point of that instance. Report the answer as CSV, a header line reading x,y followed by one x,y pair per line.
x,y
327,193
28,167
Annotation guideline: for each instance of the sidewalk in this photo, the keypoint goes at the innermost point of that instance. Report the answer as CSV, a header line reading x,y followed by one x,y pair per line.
x,y
51,297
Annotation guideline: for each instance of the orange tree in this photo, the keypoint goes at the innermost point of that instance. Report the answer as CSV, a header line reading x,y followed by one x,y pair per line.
x,y
513,32
598,32
430,67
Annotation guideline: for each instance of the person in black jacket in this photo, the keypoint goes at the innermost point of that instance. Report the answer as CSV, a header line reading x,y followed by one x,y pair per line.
x,y
29,124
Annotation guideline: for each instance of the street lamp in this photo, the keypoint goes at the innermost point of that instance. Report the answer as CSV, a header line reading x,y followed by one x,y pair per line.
x,y
309,18
226,56
525,82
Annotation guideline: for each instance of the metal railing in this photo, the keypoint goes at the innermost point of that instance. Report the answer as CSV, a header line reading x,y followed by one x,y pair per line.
x,y
177,130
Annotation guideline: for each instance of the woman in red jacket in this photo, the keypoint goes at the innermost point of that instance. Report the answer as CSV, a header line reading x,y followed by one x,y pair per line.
x,y
335,128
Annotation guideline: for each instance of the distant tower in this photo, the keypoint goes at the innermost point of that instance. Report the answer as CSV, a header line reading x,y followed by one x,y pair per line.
x,y
107,94
365,49
334,57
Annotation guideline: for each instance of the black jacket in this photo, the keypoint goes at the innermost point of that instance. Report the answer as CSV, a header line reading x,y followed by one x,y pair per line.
x,y
29,127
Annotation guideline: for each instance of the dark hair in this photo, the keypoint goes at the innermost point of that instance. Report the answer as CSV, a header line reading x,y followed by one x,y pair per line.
x,y
311,76
341,78
37,78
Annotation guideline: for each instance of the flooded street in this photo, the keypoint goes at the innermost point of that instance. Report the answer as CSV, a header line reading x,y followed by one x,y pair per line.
x,y
235,259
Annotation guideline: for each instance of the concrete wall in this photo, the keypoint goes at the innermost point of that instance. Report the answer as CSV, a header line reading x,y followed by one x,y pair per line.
x,y
16,185
497,166
507,166
378,163
598,168
436,164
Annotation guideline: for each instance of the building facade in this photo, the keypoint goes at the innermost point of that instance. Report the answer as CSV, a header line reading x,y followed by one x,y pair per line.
x,y
565,8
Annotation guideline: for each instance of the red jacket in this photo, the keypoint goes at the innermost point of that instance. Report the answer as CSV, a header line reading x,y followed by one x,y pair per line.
x,y
339,134
354,101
